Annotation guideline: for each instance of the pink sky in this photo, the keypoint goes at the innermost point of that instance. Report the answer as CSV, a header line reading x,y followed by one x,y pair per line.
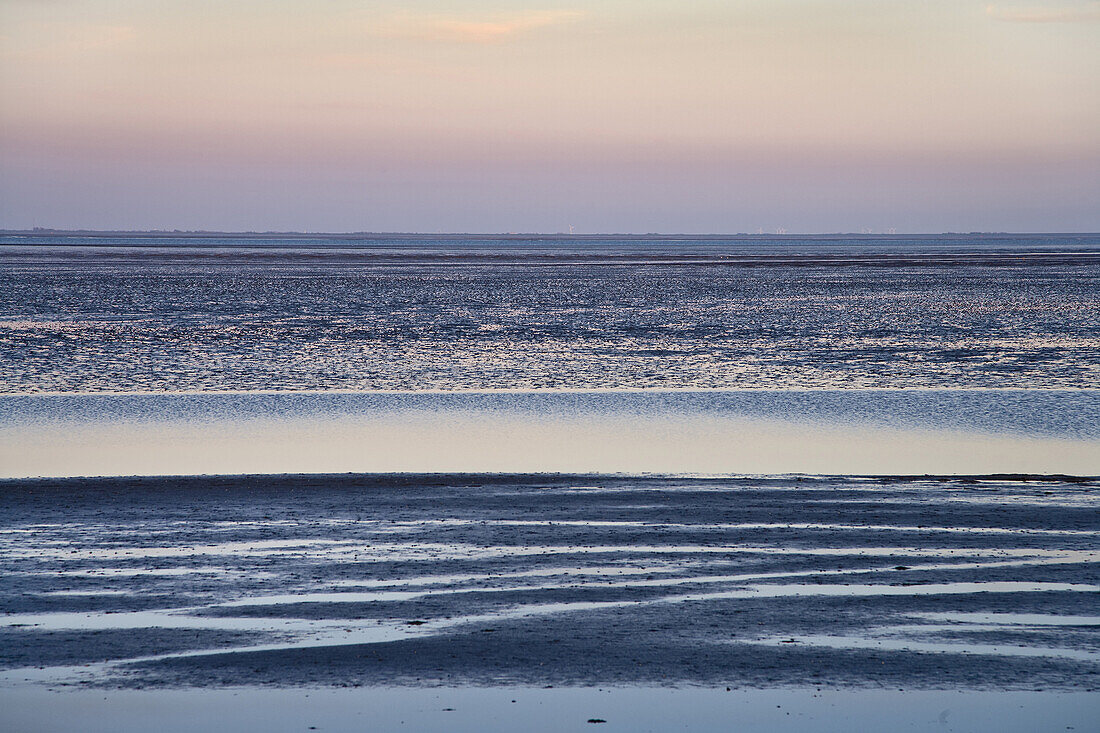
x,y
811,115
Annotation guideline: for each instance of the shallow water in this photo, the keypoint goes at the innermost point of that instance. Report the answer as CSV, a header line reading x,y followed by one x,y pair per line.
x,y
484,710
849,432
468,313
821,355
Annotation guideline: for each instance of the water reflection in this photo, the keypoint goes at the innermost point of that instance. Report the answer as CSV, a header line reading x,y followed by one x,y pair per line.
x,y
850,432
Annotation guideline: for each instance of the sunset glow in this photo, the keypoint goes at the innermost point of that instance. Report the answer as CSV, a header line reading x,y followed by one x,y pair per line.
x,y
493,116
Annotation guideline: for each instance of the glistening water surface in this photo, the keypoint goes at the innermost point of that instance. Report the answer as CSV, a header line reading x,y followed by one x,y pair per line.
x,y
413,313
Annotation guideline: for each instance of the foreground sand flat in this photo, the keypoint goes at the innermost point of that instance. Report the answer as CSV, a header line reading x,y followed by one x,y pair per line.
x,y
509,580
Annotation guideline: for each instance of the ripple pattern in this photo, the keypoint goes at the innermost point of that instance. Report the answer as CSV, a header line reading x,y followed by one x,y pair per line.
x,y
557,580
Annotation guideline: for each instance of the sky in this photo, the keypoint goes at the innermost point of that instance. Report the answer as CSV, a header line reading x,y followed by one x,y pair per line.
x,y
708,116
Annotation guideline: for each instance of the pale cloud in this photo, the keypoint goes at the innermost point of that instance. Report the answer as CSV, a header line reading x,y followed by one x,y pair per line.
x,y
1078,13
444,28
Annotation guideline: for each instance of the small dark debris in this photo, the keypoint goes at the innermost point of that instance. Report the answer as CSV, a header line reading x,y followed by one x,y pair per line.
x,y
415,623
596,720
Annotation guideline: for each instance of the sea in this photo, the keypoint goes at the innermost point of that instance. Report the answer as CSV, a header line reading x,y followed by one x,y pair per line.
x,y
292,482
175,314
279,354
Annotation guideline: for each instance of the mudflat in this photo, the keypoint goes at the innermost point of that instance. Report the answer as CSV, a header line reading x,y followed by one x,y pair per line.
x,y
431,580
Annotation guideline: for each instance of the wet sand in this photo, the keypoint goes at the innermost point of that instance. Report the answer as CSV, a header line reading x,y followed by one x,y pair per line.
x,y
452,581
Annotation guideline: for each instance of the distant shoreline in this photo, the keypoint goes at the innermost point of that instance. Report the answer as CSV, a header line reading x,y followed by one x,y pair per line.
x,y
390,479
505,236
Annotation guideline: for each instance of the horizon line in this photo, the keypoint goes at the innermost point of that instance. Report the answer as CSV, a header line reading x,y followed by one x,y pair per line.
x,y
200,233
